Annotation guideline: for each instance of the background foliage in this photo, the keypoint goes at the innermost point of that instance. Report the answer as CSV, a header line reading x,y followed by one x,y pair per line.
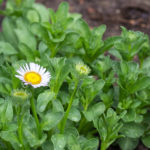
x,y
108,105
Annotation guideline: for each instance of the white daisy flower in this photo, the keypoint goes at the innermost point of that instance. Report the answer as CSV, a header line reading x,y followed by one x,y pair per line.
x,y
82,68
34,75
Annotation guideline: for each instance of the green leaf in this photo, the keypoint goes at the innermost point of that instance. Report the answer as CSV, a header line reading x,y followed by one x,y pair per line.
x,y
48,145
59,141
94,111
60,69
39,31
99,31
50,120
82,27
24,35
75,147
8,32
71,131
43,100
9,111
30,131
7,49
128,143
43,12
27,3
146,66
108,43
33,16
140,85
32,137
129,116
74,114
98,85
132,130
146,140
115,53
52,16
62,11
124,67
91,144
4,80
57,106
26,51
72,141
6,111
11,136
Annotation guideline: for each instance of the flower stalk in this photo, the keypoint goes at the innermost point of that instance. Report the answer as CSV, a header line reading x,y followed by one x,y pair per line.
x,y
103,146
69,107
35,116
20,121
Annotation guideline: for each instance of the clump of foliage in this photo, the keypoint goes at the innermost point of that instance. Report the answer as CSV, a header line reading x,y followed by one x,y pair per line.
x,y
92,100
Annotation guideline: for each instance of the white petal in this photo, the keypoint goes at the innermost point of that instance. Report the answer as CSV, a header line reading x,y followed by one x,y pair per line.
x,y
20,77
42,70
20,72
32,66
27,67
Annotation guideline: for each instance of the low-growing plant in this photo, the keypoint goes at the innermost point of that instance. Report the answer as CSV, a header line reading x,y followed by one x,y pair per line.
x,y
63,87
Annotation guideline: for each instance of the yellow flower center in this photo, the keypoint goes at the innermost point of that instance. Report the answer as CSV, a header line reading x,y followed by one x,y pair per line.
x,y
32,77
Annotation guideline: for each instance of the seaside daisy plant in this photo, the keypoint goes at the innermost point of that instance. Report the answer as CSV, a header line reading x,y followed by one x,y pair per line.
x,y
65,87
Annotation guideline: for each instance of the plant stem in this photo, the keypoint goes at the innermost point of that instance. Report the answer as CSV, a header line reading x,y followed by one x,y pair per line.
x,y
83,120
81,124
20,130
20,120
35,117
103,146
53,50
68,108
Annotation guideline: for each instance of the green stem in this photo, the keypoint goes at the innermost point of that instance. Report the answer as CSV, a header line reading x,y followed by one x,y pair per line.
x,y
83,120
103,146
56,88
35,117
20,121
53,50
68,108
